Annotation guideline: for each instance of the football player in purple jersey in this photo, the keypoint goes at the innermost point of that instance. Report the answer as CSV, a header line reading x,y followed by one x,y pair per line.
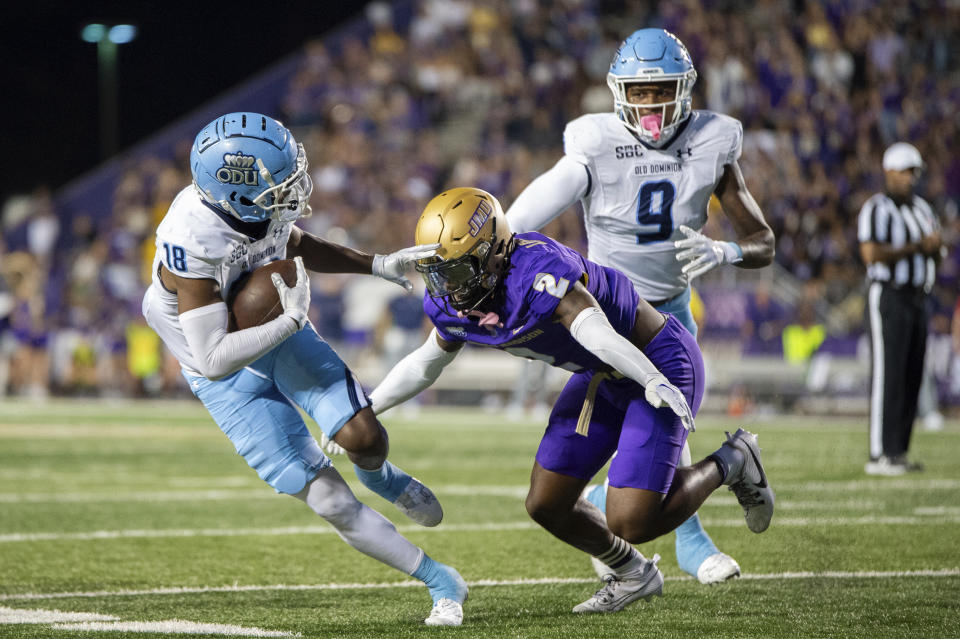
x,y
637,383
644,173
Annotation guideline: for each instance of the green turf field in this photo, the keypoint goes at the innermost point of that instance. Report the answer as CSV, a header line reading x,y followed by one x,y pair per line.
x,y
137,513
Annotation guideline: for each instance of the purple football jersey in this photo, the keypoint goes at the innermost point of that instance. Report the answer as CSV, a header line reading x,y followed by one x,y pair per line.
x,y
540,274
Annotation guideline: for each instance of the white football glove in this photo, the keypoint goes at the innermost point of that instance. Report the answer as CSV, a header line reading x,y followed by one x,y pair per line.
x,y
659,392
391,267
294,299
702,253
330,447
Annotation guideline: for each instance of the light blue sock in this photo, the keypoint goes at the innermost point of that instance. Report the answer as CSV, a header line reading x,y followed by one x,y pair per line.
x,y
388,481
693,545
442,581
598,496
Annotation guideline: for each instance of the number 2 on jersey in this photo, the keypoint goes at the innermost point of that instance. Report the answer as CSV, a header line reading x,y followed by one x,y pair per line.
x,y
176,257
655,209
548,283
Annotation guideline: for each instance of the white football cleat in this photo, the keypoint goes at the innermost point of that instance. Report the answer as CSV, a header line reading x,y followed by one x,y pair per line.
x,y
884,466
419,504
750,484
718,568
446,612
617,592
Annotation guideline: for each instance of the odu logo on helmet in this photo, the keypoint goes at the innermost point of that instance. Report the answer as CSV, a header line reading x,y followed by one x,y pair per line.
x,y
238,169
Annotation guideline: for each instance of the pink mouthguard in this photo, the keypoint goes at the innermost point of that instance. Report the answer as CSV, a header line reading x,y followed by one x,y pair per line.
x,y
652,124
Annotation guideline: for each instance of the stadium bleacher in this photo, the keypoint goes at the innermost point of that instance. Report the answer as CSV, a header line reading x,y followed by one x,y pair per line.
x,y
419,95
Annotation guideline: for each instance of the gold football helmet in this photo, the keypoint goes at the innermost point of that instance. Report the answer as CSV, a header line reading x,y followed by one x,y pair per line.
x,y
471,228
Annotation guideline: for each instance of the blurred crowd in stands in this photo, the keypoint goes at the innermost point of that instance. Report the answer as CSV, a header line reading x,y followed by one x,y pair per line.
x,y
425,94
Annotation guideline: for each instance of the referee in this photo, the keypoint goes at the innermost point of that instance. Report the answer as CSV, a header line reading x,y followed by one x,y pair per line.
x,y
900,243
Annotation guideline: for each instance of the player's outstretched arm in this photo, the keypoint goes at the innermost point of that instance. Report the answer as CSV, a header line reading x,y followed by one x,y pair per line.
x,y
327,257
392,266
203,318
754,236
414,373
548,196
579,312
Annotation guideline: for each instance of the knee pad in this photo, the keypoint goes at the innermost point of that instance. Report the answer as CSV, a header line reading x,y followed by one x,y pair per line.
x,y
291,480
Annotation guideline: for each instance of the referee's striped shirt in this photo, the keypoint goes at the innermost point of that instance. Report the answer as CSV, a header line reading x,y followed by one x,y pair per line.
x,y
883,221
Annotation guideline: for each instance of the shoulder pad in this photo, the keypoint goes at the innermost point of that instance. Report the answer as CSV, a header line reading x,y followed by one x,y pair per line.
x,y
188,224
719,131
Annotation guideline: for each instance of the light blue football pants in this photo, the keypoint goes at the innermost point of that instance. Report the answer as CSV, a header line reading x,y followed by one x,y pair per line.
x,y
256,407
679,307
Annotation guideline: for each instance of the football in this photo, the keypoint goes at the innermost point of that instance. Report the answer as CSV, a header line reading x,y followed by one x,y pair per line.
x,y
253,299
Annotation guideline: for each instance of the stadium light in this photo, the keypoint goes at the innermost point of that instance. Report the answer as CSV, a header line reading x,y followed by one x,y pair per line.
x,y
107,37
122,33
93,33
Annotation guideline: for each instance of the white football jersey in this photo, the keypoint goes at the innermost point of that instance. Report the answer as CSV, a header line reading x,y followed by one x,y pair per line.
x,y
195,240
639,196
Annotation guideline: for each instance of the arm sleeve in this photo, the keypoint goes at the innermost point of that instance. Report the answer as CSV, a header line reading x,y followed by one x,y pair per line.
x,y
412,374
220,353
549,195
592,329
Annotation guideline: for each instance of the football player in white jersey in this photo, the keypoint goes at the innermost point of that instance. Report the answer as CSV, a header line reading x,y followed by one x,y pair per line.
x,y
250,184
645,174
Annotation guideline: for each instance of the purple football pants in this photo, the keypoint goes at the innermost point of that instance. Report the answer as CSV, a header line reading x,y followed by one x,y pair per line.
x,y
647,440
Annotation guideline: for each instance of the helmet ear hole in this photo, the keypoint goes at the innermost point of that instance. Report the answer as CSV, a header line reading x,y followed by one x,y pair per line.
x,y
244,200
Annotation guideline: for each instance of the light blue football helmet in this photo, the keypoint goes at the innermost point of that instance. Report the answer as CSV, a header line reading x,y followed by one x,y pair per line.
x,y
652,55
249,165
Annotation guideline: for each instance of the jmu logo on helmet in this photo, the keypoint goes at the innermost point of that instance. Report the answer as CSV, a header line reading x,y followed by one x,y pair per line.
x,y
480,215
238,169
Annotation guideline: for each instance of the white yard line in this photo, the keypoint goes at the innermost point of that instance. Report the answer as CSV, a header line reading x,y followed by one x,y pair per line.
x,y
19,616
833,574
880,484
518,491
322,529
173,627
90,621
905,520
140,496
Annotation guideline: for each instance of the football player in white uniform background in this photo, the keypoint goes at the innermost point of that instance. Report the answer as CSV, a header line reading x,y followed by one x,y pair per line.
x,y
250,184
645,174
